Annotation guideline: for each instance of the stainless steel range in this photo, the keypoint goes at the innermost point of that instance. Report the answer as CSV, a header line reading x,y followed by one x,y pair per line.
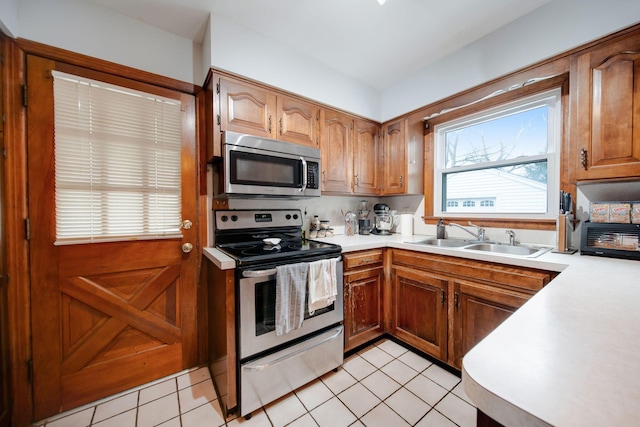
x,y
272,363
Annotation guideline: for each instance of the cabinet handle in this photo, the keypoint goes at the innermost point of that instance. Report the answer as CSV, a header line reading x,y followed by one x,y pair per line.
x,y
583,158
280,125
269,124
324,177
401,181
357,181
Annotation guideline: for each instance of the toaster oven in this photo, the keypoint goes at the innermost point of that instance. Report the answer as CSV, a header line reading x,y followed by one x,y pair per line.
x,y
611,240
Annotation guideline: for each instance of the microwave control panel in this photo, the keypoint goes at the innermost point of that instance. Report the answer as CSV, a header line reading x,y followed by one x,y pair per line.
x,y
313,175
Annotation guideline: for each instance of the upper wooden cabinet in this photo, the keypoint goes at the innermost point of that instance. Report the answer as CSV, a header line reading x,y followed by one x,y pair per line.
x,y
336,147
394,158
366,158
605,110
297,121
242,107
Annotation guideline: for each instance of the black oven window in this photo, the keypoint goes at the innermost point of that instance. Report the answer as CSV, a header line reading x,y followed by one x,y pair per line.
x,y
266,307
258,169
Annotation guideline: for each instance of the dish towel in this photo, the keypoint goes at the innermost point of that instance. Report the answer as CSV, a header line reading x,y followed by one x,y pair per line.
x,y
323,284
291,284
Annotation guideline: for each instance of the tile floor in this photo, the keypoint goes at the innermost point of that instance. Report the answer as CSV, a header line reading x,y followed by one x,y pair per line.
x,y
381,385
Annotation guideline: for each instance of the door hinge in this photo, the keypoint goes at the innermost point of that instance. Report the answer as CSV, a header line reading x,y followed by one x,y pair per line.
x,y
30,371
27,229
217,88
25,96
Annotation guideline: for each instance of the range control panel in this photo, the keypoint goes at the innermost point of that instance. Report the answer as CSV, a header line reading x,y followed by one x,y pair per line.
x,y
271,218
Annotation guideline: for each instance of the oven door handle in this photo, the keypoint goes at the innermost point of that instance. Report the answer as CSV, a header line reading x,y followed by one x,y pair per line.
x,y
304,174
292,355
259,273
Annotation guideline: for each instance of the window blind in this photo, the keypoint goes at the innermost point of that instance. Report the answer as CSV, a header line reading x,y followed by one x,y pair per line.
x,y
117,162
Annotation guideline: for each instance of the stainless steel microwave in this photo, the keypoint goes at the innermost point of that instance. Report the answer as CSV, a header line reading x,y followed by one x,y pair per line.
x,y
255,166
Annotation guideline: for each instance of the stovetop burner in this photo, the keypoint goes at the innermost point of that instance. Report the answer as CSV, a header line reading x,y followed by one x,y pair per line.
x,y
239,234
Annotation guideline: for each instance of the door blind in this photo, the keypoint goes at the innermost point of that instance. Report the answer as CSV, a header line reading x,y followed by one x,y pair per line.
x,y
117,162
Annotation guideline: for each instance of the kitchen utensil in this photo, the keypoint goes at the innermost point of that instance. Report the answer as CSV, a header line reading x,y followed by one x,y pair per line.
x,y
351,224
272,241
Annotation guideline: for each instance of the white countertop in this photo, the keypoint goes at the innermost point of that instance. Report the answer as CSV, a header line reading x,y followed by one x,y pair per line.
x,y
568,357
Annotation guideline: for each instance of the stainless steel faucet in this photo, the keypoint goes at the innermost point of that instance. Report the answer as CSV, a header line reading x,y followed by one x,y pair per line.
x,y
480,231
512,237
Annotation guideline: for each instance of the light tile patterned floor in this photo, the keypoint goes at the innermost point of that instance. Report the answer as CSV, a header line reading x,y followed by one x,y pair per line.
x,y
382,385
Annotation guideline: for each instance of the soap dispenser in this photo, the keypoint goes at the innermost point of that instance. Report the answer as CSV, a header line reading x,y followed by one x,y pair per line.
x,y
441,228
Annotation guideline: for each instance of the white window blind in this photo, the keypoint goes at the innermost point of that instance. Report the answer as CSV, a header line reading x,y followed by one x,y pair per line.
x,y
117,162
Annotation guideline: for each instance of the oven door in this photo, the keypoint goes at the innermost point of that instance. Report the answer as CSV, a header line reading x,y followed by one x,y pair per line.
x,y
268,173
257,300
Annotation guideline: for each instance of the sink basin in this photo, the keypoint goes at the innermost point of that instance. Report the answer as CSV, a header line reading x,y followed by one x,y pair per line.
x,y
506,249
448,243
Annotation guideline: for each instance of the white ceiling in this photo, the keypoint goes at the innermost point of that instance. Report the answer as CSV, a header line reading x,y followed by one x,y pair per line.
x,y
377,45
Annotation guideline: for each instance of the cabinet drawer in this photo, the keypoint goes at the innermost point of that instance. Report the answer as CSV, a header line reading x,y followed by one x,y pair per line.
x,y
362,259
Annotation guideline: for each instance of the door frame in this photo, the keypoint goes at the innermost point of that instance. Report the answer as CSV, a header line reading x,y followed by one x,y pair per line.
x,y
15,209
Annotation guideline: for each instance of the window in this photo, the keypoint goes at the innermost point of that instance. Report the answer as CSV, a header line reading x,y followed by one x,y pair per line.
x,y
502,162
117,162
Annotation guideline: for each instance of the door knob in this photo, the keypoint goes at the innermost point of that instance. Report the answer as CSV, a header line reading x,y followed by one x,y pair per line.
x,y
186,224
187,247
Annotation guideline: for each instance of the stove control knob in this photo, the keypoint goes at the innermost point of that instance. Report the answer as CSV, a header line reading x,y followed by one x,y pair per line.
x,y
288,216
224,218
295,216
234,218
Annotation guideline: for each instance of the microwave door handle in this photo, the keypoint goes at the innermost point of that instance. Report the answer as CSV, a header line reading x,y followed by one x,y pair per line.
x,y
304,174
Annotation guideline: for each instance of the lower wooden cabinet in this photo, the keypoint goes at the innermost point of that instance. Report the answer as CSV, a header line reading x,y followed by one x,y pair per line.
x,y
363,291
419,310
477,310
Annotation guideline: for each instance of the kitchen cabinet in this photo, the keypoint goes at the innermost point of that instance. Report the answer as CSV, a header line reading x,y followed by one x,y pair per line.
x,y
445,305
336,148
363,297
366,158
605,109
419,311
394,158
243,107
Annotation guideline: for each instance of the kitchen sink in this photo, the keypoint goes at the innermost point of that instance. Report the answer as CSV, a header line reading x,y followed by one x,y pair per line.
x,y
506,249
448,243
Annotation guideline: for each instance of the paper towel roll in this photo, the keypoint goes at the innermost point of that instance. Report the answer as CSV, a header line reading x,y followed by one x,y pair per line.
x,y
406,224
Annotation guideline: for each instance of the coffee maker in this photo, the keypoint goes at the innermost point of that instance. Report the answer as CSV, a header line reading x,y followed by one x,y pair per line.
x,y
383,219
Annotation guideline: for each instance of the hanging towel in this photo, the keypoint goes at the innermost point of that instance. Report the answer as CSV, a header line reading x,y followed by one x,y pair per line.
x,y
291,284
323,284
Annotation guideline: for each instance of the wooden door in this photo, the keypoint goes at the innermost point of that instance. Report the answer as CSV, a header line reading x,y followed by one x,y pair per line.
x,y
5,404
363,306
105,316
478,310
298,121
419,310
605,96
247,109
336,150
366,158
395,158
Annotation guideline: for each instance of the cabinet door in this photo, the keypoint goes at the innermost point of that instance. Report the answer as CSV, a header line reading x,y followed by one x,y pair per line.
x,y
419,311
247,109
395,158
298,121
363,306
336,148
606,100
366,157
478,310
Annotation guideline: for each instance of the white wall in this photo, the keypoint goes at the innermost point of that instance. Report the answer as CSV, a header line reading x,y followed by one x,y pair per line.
x,y
251,55
9,17
558,26
102,33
